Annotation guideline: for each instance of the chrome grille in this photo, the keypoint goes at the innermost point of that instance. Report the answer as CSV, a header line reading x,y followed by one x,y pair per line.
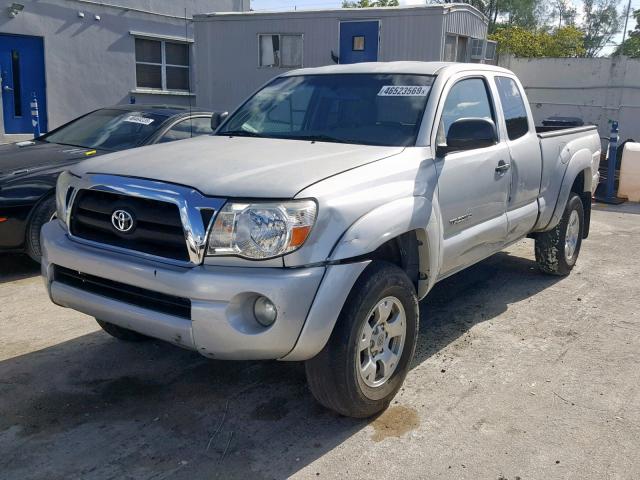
x,y
157,228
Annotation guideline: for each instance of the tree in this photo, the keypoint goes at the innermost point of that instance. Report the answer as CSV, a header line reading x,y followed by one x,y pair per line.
x,y
522,13
522,42
564,12
601,22
368,3
631,46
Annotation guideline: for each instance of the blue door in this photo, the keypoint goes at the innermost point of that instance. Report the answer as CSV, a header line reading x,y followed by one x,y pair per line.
x,y
22,72
359,41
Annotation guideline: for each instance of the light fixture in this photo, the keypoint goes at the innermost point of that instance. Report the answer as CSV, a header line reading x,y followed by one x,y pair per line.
x,y
264,311
15,9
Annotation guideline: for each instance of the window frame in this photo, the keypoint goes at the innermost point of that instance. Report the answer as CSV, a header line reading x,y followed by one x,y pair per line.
x,y
280,35
163,65
477,43
443,100
353,43
494,48
456,50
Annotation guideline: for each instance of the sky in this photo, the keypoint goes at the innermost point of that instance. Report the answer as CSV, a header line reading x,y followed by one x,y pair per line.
x,y
318,4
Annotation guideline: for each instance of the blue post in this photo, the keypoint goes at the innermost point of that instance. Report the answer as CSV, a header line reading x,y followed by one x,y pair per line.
x,y
612,157
35,116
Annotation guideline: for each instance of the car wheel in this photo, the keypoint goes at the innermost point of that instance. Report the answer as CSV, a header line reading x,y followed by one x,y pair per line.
x,y
557,250
365,361
121,333
43,213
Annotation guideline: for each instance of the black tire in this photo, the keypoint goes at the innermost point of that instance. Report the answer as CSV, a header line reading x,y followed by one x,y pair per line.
x,y
41,215
121,333
333,375
551,255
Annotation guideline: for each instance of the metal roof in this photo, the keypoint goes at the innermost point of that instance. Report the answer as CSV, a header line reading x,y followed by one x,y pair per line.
x,y
159,109
413,68
449,7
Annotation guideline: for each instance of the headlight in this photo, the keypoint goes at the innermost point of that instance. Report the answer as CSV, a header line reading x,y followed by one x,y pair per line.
x,y
261,230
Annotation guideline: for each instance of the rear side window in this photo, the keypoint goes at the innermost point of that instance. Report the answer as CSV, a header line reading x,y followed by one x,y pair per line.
x,y
188,128
515,113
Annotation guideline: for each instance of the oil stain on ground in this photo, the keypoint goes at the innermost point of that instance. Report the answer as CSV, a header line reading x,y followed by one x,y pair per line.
x,y
394,422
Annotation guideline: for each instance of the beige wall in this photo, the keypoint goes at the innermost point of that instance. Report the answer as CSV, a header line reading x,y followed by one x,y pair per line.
x,y
595,89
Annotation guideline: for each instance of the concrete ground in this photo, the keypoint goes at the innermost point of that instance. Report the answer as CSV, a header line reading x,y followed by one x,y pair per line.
x,y
518,375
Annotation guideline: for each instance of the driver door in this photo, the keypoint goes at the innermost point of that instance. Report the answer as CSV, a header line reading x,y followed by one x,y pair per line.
x,y
472,192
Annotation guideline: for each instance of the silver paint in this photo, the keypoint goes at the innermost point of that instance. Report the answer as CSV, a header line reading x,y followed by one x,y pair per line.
x,y
366,196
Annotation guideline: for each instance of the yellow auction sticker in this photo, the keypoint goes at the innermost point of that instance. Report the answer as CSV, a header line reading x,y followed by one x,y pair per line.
x,y
90,152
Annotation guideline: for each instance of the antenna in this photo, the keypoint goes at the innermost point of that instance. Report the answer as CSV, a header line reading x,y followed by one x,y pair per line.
x,y
186,39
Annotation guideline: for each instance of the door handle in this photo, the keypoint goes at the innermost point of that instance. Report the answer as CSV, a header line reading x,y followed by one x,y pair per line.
x,y
502,166
7,88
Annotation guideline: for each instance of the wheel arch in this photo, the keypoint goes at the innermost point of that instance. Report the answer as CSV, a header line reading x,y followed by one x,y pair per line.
x,y
577,179
405,232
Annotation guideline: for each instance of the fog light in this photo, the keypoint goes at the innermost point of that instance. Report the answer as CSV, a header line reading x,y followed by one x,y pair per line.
x,y
265,311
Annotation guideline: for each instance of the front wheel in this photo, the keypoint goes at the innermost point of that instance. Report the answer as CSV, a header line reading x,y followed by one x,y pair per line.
x,y
557,250
367,357
43,213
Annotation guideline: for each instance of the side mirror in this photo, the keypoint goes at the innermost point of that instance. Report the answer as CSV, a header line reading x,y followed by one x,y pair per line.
x,y
469,134
217,118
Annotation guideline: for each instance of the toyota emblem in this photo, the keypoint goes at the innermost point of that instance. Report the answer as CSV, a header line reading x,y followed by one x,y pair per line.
x,y
122,221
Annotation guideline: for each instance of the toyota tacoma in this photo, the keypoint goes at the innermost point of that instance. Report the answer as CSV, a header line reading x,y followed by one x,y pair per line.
x,y
319,214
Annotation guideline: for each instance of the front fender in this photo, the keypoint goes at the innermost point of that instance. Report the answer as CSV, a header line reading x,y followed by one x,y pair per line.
x,y
391,220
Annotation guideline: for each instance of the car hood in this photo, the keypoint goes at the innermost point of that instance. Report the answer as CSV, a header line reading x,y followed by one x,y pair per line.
x,y
238,166
25,157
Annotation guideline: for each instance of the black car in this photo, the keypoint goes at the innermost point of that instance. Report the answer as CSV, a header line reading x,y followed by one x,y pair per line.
x,y
29,170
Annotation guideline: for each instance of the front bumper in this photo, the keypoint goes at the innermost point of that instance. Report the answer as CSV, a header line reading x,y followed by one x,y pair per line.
x,y
221,324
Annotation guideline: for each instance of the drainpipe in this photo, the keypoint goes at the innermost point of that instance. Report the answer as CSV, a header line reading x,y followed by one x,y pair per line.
x,y
35,116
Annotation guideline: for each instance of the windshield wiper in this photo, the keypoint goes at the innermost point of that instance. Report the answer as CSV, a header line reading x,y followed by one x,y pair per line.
x,y
320,138
240,133
67,144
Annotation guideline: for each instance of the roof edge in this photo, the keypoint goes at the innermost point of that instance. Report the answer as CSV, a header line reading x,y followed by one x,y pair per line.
x,y
448,7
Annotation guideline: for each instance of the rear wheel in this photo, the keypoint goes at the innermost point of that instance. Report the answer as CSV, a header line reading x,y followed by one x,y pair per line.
x,y
43,213
557,250
121,333
366,359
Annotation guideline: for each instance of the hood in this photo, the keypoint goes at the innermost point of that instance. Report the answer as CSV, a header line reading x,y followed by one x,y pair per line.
x,y
26,157
238,166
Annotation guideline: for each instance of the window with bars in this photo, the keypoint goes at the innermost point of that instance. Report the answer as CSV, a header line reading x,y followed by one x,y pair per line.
x,y
162,64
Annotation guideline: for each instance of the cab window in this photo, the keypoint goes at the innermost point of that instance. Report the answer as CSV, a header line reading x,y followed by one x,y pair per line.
x,y
190,127
515,113
469,98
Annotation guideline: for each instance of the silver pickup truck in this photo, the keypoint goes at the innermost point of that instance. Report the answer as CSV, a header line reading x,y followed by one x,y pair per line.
x,y
319,214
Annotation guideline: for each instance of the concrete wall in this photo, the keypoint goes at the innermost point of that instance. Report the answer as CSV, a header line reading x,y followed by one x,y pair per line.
x,y
90,63
595,89
228,54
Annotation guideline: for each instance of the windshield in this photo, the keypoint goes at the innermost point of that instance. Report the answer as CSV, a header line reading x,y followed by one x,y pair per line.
x,y
346,108
109,129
